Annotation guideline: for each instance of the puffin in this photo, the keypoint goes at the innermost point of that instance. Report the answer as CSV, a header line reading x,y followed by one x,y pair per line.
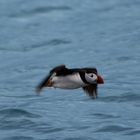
x,y
62,77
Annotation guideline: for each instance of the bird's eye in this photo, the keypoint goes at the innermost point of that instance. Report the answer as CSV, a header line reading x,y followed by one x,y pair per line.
x,y
92,75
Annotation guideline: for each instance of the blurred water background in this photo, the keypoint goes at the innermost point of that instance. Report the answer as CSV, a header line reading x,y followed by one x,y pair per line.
x,y
36,35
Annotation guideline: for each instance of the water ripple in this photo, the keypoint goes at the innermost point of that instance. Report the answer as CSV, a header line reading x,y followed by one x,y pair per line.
x,y
39,10
37,45
135,132
113,128
19,138
14,112
105,116
123,98
16,124
52,42
124,58
49,130
80,138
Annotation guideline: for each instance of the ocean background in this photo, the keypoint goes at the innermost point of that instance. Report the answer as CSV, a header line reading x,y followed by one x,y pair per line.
x,y
36,35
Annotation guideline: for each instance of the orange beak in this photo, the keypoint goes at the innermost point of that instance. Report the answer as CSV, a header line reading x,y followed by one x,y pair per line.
x,y
100,80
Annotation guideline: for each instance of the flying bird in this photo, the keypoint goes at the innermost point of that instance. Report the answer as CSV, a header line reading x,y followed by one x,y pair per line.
x,y
65,78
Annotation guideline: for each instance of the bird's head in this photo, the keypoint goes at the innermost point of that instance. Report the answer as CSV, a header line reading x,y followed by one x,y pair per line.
x,y
94,78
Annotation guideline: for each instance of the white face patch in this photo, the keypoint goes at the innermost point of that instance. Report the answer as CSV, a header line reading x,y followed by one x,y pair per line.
x,y
91,77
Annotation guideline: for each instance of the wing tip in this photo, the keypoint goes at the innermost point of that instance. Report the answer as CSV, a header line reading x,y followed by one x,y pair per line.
x,y
91,90
37,90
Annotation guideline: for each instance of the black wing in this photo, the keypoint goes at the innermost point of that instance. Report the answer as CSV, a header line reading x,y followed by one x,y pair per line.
x,y
59,70
91,90
43,83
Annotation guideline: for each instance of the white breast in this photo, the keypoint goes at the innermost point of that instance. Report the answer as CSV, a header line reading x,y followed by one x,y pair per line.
x,y
68,82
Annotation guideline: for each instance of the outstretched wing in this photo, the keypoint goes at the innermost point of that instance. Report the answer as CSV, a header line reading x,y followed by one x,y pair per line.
x,y
91,90
58,70
43,83
47,82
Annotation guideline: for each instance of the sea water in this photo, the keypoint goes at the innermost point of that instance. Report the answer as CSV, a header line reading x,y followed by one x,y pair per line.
x,y
37,35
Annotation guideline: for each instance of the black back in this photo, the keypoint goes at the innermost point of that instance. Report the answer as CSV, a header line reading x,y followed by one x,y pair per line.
x,y
62,70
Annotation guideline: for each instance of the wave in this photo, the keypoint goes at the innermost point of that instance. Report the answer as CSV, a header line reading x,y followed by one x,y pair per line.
x,y
105,116
134,132
39,10
43,44
19,138
14,112
113,128
126,97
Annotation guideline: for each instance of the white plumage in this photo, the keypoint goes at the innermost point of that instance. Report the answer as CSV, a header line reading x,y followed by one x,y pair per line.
x,y
68,82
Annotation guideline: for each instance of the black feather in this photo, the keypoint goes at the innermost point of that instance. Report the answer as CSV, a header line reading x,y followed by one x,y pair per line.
x,y
43,83
91,90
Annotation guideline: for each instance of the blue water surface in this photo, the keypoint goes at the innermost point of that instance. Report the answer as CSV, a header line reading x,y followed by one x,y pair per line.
x,y
36,35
